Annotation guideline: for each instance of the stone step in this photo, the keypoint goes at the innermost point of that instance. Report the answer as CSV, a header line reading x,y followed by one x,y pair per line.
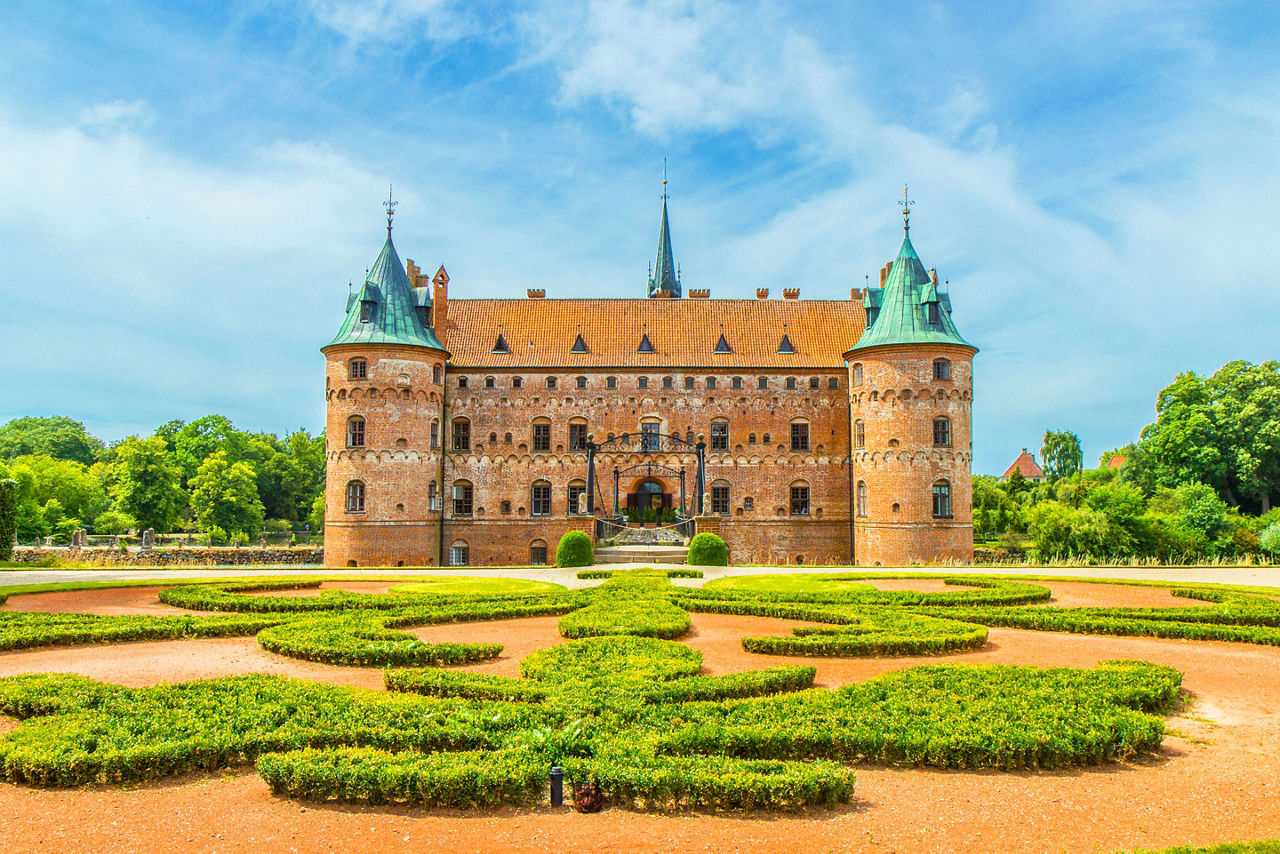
x,y
642,554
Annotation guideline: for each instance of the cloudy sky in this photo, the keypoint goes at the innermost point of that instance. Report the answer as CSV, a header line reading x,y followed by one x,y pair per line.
x,y
186,189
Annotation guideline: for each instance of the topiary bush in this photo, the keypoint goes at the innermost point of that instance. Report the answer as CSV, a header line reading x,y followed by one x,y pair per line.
x,y
707,549
575,550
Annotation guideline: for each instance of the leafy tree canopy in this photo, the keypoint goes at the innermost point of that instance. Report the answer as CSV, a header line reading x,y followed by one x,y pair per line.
x,y
1061,454
57,436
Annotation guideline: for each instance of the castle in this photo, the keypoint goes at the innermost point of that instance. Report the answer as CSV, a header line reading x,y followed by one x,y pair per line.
x,y
479,431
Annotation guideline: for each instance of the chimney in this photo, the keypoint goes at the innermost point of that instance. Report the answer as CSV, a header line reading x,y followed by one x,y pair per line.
x,y
440,301
411,269
933,275
536,293
762,293
884,273
855,293
699,293
791,293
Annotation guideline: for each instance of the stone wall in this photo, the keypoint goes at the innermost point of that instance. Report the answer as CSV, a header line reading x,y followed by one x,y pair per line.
x,y
178,557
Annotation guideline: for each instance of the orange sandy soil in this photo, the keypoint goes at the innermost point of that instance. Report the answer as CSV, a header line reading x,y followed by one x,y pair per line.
x,y
1216,778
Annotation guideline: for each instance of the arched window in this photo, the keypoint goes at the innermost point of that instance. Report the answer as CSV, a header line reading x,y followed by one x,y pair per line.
x,y
551,382
506,438
461,434
611,382
577,488
720,435
800,498
459,553
762,383
538,553
542,434
355,432
540,498
688,382
436,372
748,503
359,369
751,438
862,498
435,435
942,431
711,382
857,374
462,498
736,382
433,497
859,434
489,382
650,435
493,438
791,382
517,382
642,382
942,499
941,369
462,382
582,382
355,496
668,382
505,507
720,497
800,435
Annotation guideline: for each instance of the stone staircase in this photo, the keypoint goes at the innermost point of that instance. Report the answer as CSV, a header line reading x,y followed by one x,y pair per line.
x,y
644,545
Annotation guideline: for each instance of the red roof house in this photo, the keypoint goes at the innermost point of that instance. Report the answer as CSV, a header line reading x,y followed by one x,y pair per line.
x,y
1025,463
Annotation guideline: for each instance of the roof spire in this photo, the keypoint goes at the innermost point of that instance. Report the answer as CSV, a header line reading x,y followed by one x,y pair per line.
x,y
390,205
665,279
906,204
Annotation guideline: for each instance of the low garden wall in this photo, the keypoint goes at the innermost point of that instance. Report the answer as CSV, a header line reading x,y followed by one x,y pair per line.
x,y
203,556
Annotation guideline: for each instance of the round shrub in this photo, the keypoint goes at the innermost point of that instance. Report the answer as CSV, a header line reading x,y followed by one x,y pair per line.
x,y
707,549
1269,540
575,550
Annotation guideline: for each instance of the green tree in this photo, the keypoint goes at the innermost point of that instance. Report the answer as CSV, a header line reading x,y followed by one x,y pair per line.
x,y
1247,402
114,522
1185,444
77,487
1061,454
144,483
197,440
8,515
57,436
224,495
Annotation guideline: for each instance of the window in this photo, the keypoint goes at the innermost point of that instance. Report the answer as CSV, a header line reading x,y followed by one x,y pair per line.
x,y
540,499
505,507
611,382
751,438
688,382
435,434
668,382
748,503
506,438
720,499
459,553
488,382
643,382
711,382
426,315
719,435
766,440
833,383
542,437
462,435
942,500
433,497
462,498
355,496
516,382
462,382
436,374
538,553
857,374
862,498
813,382
762,383
582,382
800,500
576,489
577,437
493,438
649,439
859,434
941,369
366,311
551,382
736,382
935,316
800,436
355,432
942,431
791,382
359,369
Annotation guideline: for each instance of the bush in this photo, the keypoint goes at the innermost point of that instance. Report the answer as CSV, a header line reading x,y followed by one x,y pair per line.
x,y
8,516
1269,539
707,549
113,522
575,550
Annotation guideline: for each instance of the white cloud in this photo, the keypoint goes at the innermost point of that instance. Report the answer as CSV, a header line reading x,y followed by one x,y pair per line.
x,y
389,20
110,114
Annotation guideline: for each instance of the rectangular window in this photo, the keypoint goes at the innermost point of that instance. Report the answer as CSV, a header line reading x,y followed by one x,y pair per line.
x,y
435,434
462,435
941,431
667,382
516,382
649,440
575,490
355,433
859,434
857,374
748,503
359,369
462,499
551,382
577,437
862,498
942,501
541,500
800,436
762,383
711,382
582,382
355,497
935,317
643,382
833,383
366,311
459,556
537,555
791,382
720,500
799,501
813,382
542,437
719,436
688,382
611,382
942,370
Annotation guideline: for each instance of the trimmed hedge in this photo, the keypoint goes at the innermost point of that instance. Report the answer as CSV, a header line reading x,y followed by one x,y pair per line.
x,y
366,640
988,591
708,549
756,683
27,629
237,597
646,617
875,633
588,574
575,549
469,686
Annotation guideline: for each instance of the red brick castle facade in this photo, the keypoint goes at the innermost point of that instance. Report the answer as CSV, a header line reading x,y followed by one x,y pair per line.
x,y
832,431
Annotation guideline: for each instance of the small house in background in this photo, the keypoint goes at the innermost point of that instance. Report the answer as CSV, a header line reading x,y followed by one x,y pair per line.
x,y
1026,463
1116,461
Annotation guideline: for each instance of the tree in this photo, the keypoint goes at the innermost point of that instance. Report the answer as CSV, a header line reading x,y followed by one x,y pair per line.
x,y
224,495
58,436
8,515
77,488
1061,454
1247,402
195,441
145,483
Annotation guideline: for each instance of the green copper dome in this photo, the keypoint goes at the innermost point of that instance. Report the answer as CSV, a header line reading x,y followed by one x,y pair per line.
x,y
908,309
392,316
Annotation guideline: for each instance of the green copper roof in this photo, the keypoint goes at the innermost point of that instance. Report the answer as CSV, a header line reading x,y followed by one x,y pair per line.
x,y
664,278
395,318
898,313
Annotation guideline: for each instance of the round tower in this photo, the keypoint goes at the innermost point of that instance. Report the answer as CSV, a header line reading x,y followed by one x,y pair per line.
x,y
910,397
384,389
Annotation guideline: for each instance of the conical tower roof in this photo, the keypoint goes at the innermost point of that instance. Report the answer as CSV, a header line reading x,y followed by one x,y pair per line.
x,y
665,281
395,318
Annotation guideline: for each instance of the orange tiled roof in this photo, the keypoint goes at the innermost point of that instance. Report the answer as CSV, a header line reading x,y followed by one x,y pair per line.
x,y
683,332
1026,464
1116,461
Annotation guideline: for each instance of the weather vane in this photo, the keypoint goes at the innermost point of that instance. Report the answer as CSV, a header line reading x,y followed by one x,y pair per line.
x,y
664,179
906,204
390,205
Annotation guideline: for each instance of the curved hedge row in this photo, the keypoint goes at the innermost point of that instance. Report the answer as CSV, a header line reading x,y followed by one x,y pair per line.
x,y
988,591
363,641
589,574
875,633
656,618
237,597
470,686
26,629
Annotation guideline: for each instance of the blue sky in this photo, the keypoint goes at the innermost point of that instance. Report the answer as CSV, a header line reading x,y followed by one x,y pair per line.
x,y
186,189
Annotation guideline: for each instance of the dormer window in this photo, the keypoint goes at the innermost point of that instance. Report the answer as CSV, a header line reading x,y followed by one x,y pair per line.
x,y
579,346
935,315
785,346
645,345
500,346
722,346
366,311
426,316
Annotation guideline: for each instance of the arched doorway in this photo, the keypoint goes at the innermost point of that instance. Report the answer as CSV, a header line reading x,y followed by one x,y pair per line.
x,y
649,493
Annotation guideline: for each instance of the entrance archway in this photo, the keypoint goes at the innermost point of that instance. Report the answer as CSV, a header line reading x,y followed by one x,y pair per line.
x,y
649,493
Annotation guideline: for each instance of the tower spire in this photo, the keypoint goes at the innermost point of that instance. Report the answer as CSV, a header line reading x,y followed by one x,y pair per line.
x,y
906,204
390,205
665,281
